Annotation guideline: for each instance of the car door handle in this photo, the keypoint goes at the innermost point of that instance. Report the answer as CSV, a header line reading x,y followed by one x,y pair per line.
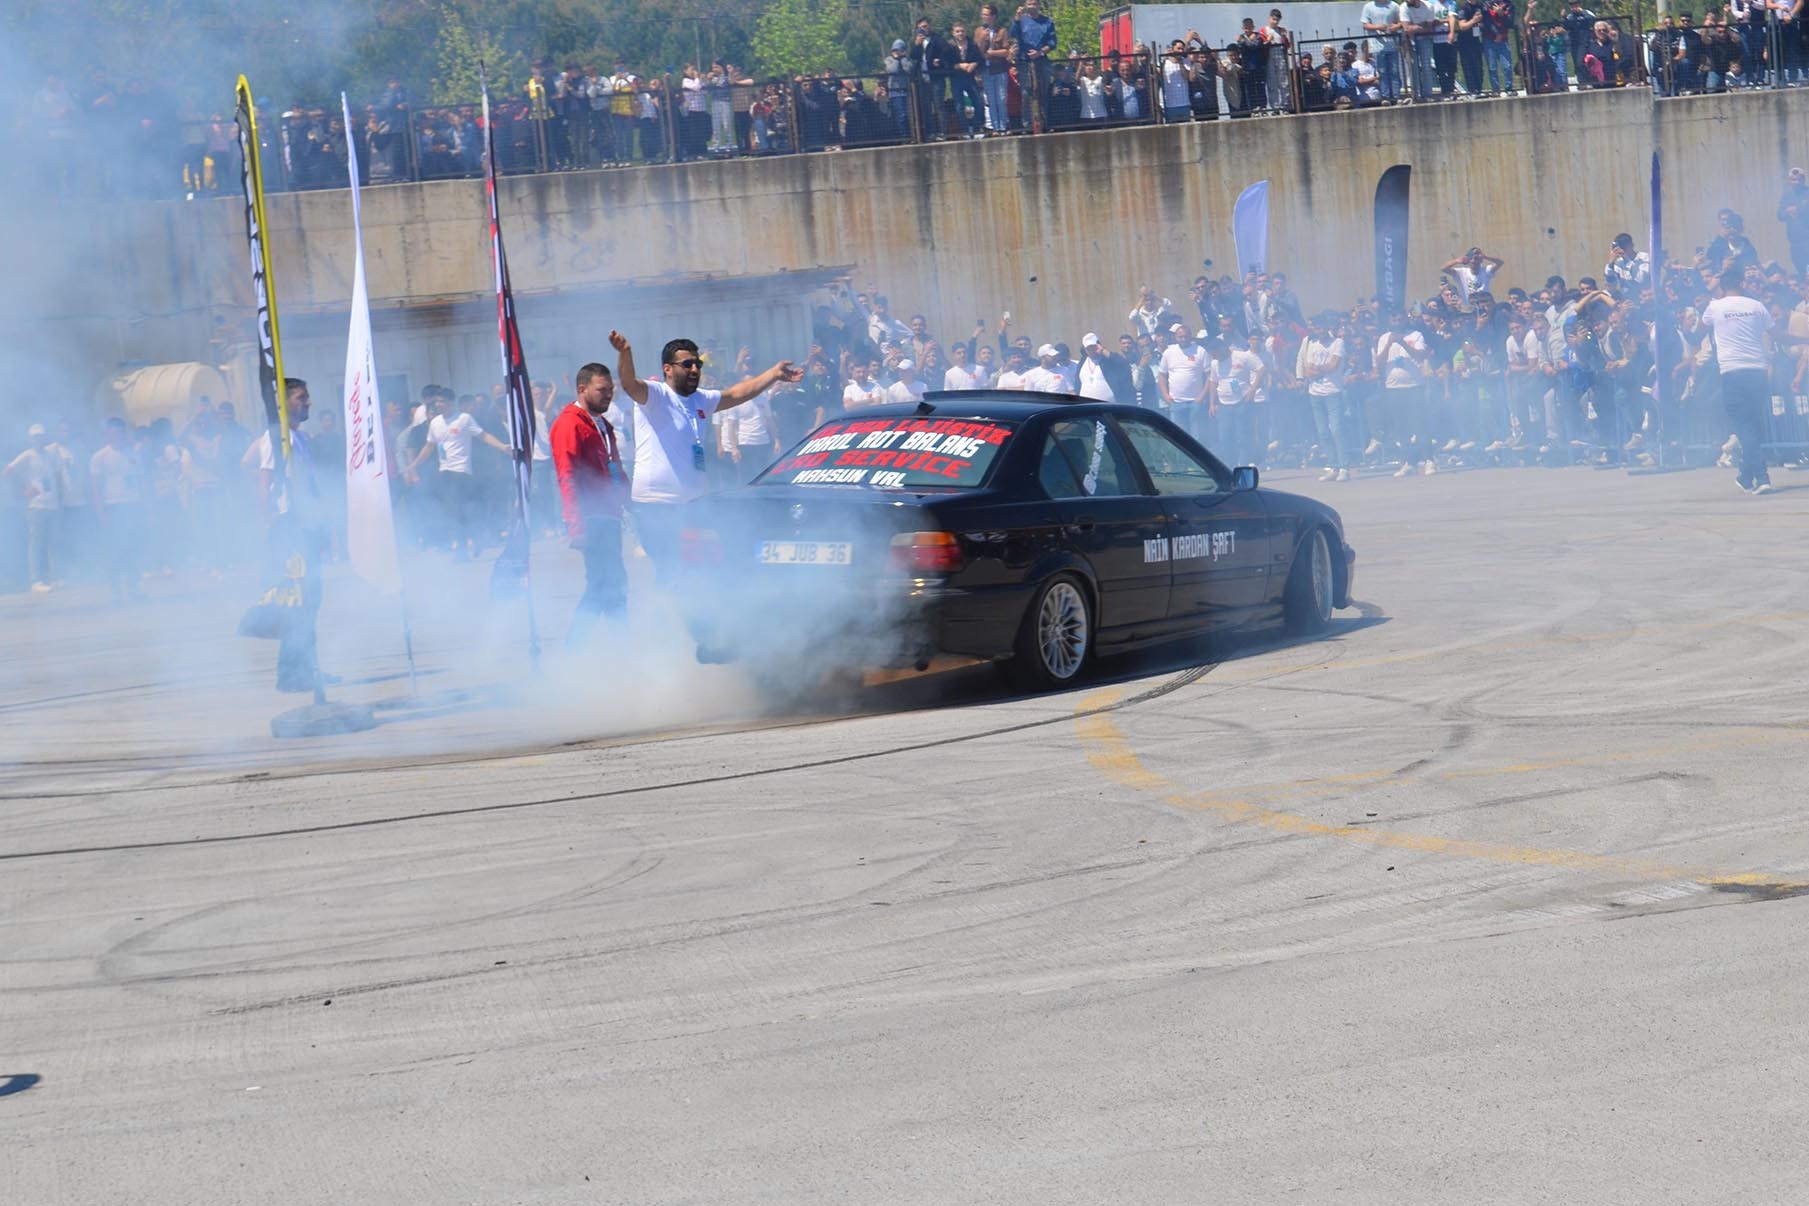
x,y
1081,523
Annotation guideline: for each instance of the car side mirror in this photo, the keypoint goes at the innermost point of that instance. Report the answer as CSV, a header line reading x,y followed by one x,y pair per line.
x,y
1244,477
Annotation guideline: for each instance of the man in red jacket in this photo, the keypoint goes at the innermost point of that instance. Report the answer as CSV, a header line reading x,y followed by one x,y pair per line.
x,y
592,488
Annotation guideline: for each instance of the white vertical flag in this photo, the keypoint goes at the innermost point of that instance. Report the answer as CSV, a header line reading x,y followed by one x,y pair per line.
x,y
1250,229
370,525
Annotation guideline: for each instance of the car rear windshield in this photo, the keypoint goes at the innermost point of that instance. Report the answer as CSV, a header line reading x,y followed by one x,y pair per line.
x,y
909,453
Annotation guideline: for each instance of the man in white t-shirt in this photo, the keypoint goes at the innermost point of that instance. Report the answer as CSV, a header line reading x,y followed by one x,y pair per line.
x,y
39,475
1401,359
1627,271
1181,380
1321,365
1176,76
1045,378
1472,272
1382,21
1742,329
882,327
862,390
750,438
671,424
1235,399
116,488
1549,354
909,387
1149,309
961,374
1368,79
451,433
1523,356
1012,376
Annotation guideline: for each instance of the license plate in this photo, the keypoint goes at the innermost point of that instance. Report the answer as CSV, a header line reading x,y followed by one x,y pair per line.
x,y
805,552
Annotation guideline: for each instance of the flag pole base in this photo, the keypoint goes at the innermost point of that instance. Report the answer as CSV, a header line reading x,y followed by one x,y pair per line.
x,y
322,720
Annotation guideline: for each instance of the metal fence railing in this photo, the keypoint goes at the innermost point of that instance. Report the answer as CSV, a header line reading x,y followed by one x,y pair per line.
x,y
1095,93
1698,426
1768,49
1683,59
1595,51
667,118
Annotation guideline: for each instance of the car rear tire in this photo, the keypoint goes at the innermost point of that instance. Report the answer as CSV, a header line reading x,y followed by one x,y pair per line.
x,y
1306,601
1055,639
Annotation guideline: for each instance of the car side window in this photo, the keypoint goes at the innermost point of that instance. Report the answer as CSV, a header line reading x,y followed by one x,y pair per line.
x,y
1055,474
1082,458
1172,468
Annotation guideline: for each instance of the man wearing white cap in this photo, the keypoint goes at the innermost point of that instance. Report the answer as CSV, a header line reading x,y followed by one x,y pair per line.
x,y
909,387
1181,377
1104,376
1045,378
41,478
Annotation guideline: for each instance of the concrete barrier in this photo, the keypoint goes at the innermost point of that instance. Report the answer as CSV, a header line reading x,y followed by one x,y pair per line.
x,y
1059,229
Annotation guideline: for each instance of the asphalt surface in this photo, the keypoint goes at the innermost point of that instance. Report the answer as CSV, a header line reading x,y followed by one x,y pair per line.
x,y
1492,896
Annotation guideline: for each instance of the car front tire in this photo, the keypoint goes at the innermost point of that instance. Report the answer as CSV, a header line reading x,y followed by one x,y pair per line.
x,y
1307,598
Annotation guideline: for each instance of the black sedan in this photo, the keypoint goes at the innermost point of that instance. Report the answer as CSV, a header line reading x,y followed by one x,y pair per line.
x,y
1034,530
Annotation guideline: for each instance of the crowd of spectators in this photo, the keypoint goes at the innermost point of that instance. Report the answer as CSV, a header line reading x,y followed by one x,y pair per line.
x,y
137,502
998,74
1479,374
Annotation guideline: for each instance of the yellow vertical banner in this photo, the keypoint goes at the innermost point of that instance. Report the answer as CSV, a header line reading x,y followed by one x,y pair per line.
x,y
270,347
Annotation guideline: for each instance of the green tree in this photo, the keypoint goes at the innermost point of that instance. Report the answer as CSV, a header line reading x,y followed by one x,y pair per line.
x,y
794,37
1076,25
458,53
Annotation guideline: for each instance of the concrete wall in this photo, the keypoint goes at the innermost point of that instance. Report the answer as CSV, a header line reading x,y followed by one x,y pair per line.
x,y
1059,229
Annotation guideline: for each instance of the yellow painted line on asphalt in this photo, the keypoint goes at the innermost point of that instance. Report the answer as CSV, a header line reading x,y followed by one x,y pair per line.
x,y
1110,752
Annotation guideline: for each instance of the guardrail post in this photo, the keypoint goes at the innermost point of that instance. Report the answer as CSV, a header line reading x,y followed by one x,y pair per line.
x,y
673,119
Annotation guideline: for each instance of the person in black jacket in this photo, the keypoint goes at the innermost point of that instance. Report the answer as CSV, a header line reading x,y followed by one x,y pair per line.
x,y
1064,98
1105,375
1793,212
966,66
1203,84
1730,248
1602,63
929,79
801,411
819,103
1720,53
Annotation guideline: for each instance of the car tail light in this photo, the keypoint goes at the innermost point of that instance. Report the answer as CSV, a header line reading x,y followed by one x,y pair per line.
x,y
926,553
699,546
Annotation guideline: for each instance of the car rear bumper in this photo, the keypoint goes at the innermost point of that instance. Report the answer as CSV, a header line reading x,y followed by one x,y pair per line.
x,y
894,624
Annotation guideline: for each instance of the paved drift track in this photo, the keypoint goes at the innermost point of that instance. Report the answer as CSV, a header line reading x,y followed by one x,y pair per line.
x,y
1492,896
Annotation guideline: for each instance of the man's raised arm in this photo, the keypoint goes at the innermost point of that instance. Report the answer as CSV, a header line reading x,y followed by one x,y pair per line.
x,y
753,387
626,378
